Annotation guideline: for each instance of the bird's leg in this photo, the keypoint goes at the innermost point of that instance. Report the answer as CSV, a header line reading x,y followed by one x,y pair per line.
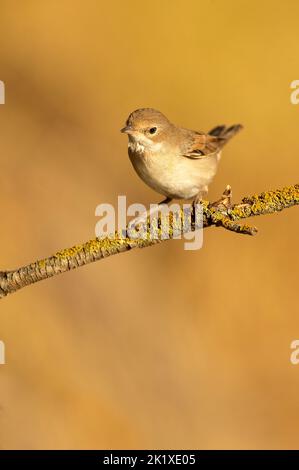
x,y
143,217
155,209
201,195
165,201
197,202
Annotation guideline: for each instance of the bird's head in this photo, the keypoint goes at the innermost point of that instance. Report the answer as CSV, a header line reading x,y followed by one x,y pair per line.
x,y
147,126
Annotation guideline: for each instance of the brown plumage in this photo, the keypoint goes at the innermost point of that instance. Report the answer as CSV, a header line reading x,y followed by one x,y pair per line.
x,y
177,162
199,144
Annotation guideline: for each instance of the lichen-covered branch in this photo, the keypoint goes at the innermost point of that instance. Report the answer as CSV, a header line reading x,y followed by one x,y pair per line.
x,y
217,214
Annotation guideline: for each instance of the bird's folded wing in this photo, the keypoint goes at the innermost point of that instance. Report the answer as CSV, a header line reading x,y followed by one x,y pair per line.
x,y
202,145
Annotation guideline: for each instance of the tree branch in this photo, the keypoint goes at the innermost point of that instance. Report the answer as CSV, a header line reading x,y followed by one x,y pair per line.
x,y
217,214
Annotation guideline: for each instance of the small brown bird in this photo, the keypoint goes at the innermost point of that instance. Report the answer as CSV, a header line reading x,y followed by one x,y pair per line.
x,y
178,163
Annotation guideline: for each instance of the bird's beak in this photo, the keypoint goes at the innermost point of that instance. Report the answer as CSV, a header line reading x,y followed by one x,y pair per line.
x,y
126,130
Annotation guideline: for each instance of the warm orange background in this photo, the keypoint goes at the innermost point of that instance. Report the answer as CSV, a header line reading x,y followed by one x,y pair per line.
x,y
156,348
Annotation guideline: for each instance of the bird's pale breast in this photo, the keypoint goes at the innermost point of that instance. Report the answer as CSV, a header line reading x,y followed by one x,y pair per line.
x,y
173,175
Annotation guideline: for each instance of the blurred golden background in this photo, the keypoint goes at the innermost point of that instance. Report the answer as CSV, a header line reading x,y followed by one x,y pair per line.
x,y
157,348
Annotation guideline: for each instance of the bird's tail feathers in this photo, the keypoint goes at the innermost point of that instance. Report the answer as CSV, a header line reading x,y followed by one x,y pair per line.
x,y
224,134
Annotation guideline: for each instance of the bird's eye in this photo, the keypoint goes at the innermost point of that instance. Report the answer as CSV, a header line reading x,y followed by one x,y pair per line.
x,y
153,130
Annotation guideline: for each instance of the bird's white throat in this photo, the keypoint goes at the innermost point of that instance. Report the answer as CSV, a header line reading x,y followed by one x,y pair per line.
x,y
140,146
136,146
